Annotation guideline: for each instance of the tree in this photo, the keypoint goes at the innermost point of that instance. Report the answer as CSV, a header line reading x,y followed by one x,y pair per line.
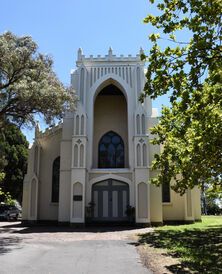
x,y
2,164
28,84
210,199
6,198
14,146
190,72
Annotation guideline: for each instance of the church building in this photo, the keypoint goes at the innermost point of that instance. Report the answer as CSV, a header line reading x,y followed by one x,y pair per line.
x,y
95,166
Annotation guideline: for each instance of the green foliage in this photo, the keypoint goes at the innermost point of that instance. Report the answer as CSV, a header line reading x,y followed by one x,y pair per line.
x,y
2,176
191,129
14,148
211,200
28,84
180,68
197,246
213,207
2,161
6,198
192,139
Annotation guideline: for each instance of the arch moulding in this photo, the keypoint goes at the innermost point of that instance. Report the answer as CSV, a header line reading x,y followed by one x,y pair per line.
x,y
114,177
106,80
94,91
109,176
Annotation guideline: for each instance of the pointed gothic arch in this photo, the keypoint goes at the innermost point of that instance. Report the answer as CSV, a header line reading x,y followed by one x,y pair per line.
x,y
106,81
110,113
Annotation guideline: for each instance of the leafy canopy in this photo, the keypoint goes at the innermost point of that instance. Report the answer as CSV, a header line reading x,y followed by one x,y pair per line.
x,y
14,147
192,139
28,84
190,71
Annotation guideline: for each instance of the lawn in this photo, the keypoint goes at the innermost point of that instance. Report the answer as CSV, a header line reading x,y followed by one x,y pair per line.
x,y
197,246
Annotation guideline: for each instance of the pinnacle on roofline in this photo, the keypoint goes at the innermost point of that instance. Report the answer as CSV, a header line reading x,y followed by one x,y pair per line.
x,y
110,56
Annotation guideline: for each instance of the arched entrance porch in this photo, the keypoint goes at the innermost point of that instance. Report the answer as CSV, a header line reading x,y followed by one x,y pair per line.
x,y
110,116
110,199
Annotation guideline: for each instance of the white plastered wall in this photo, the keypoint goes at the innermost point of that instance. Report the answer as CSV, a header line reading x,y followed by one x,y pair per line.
x,y
50,150
156,211
142,194
175,209
31,184
77,212
26,191
65,169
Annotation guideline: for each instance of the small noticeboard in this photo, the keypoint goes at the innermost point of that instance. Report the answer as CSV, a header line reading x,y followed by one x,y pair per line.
x,y
77,197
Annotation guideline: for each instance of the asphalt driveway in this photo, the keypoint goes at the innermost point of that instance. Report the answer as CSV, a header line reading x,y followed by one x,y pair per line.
x,y
67,250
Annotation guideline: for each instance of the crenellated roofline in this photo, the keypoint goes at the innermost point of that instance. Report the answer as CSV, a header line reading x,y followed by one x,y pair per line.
x,y
110,57
48,131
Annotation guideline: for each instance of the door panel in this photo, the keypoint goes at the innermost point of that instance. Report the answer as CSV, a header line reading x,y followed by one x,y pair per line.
x,y
111,198
115,203
120,204
125,202
105,204
96,199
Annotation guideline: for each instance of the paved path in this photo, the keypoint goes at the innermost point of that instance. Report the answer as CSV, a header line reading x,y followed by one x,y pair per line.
x,y
64,251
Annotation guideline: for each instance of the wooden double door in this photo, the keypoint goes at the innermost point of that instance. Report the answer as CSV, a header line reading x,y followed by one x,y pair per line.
x,y
110,198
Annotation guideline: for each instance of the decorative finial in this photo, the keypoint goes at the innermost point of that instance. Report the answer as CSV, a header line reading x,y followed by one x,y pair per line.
x,y
141,51
110,52
37,129
80,53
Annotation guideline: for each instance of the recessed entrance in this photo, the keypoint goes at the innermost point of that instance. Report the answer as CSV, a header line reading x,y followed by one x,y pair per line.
x,y
110,118
110,198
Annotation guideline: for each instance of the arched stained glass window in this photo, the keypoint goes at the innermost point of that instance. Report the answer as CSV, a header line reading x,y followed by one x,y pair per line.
x,y
55,180
111,151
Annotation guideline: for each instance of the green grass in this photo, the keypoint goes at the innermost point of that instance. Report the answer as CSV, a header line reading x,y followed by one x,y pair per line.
x,y
198,246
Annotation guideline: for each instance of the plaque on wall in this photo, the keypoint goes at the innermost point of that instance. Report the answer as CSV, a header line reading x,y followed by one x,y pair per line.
x,y
77,197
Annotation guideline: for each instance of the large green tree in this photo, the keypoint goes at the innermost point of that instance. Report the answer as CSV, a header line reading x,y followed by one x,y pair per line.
x,y
211,201
28,84
189,70
14,146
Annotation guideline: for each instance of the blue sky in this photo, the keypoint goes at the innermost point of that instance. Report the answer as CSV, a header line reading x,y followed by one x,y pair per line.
x,y
61,27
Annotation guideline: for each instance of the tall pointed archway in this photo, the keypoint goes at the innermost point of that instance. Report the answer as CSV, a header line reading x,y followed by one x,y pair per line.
x,y
110,115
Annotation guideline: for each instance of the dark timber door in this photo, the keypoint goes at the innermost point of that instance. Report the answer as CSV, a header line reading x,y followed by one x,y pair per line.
x,y
111,198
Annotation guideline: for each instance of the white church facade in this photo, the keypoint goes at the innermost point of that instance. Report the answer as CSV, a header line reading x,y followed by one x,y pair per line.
x,y
96,165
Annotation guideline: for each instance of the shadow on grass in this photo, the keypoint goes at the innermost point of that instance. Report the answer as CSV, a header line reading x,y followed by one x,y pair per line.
x,y
199,250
